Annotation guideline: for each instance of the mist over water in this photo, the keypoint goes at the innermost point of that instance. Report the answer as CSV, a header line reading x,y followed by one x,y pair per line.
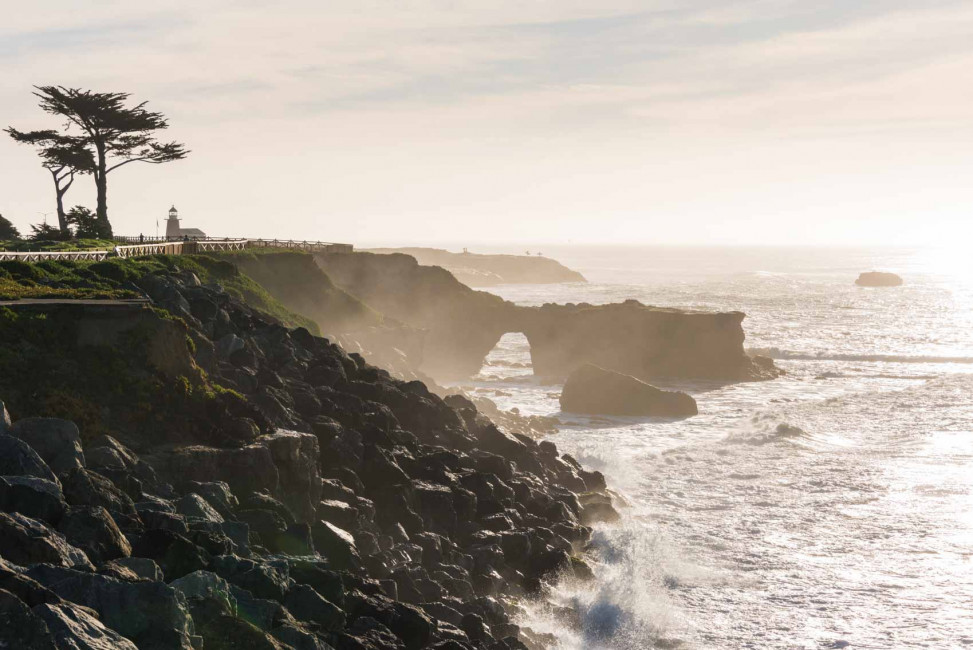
x,y
830,508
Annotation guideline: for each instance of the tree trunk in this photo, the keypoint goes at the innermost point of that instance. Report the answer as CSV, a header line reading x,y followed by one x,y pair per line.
x,y
62,220
101,185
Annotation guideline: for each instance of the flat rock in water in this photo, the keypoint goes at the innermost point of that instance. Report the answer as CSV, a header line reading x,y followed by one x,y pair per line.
x,y
878,279
594,390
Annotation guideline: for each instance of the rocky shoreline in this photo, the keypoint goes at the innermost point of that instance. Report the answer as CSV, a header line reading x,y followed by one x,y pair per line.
x,y
228,482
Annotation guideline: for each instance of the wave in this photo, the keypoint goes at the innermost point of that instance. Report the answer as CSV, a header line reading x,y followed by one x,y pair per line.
x,y
778,353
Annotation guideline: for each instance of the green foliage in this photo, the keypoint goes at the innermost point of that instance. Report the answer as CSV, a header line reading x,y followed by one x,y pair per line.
x,y
84,222
46,232
107,389
7,229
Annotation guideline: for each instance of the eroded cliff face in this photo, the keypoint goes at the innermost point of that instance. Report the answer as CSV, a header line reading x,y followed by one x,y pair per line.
x,y
464,325
646,342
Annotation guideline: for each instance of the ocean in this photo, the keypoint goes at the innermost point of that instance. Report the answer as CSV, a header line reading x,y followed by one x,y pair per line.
x,y
830,508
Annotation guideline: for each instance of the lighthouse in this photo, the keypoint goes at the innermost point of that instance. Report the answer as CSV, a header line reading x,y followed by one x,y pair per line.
x,y
172,224
174,231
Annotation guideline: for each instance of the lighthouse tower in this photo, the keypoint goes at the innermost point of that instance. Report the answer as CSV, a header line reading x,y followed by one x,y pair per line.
x,y
173,231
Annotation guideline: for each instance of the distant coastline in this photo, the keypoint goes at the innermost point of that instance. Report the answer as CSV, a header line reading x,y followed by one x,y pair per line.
x,y
478,270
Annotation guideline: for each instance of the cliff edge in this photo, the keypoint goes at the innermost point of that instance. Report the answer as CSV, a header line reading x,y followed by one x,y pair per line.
x,y
479,270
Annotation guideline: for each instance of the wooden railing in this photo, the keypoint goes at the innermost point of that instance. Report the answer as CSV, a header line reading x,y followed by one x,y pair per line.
x,y
142,247
38,256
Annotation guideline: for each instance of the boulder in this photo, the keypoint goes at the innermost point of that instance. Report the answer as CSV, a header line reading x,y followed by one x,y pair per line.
x,y
73,627
152,614
56,441
82,487
307,605
337,545
206,585
20,628
878,279
92,529
17,458
35,497
27,541
594,390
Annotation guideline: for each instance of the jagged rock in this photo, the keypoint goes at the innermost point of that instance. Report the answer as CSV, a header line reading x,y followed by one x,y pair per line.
x,y
176,555
337,545
299,639
151,614
35,497
20,628
5,421
591,389
17,458
296,457
245,470
82,487
72,627
207,586
217,494
878,279
56,441
193,505
27,541
92,529
262,580
309,606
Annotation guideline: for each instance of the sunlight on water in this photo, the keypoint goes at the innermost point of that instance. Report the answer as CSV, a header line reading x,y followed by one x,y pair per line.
x,y
830,508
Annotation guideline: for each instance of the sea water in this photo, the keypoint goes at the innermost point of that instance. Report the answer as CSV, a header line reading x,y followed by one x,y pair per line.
x,y
830,508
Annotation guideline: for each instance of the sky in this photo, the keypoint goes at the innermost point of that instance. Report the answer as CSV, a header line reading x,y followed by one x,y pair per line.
x,y
535,121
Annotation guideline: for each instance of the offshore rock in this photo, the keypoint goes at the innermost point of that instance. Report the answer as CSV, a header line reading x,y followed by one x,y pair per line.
x,y
878,279
594,390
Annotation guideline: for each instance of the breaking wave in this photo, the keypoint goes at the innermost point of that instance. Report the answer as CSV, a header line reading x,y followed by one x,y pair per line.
x,y
778,353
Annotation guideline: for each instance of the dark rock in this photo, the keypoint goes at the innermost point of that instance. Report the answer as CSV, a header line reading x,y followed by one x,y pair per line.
x,y
94,531
56,441
245,470
73,627
151,614
337,545
591,389
83,487
338,512
27,541
309,606
296,457
142,567
17,458
193,505
176,555
262,580
20,628
205,585
34,497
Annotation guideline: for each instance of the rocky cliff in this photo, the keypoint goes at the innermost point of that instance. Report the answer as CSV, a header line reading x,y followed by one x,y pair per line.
x,y
259,487
477,270
464,325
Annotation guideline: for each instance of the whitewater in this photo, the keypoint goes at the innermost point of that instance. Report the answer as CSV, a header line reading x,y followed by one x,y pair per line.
x,y
830,508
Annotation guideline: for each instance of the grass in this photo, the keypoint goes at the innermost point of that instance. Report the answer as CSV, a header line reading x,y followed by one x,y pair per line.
x,y
24,245
117,278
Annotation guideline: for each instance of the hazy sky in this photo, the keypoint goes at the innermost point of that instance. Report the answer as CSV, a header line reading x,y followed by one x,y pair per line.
x,y
532,121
